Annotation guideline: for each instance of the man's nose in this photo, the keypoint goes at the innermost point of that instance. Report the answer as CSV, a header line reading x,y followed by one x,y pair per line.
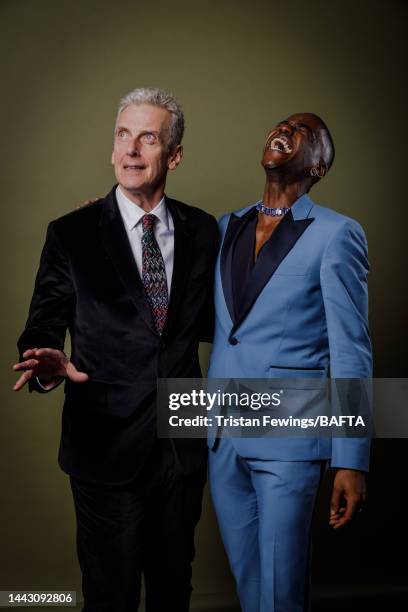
x,y
286,128
133,148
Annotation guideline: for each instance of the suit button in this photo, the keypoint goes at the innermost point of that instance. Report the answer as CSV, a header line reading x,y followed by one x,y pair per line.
x,y
233,341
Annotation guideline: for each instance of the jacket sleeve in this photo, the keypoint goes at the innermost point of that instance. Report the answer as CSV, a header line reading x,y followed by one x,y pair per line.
x,y
343,278
207,315
52,303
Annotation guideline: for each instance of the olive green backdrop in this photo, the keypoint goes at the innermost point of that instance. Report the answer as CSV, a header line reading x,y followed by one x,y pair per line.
x,y
237,67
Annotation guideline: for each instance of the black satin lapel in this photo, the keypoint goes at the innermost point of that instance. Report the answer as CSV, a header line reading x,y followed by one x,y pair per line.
x,y
272,254
116,243
182,261
235,226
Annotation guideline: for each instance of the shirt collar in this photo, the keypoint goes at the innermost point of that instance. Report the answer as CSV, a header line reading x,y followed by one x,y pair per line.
x,y
132,213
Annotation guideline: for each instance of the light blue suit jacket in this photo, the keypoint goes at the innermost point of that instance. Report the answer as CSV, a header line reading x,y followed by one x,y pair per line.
x,y
306,314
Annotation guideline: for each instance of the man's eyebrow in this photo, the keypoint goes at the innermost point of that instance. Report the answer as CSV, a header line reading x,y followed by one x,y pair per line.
x,y
304,125
121,128
297,124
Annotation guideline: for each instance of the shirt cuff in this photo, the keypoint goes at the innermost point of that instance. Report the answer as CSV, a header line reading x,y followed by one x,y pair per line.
x,y
42,384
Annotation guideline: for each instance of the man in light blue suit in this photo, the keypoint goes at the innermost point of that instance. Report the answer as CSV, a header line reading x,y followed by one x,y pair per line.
x,y
291,301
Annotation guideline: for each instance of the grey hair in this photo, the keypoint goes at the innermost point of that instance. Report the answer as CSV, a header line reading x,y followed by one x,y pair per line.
x,y
163,99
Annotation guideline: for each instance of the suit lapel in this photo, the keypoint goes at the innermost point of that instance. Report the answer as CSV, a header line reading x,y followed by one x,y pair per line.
x,y
235,226
272,254
182,260
116,243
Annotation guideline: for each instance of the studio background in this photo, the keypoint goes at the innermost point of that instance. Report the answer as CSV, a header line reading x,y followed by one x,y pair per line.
x,y
237,68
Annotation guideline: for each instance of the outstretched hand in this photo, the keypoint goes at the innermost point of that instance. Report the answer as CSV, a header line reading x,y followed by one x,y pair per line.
x,y
349,486
48,364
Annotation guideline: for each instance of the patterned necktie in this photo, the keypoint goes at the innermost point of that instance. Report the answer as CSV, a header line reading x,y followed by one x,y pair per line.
x,y
154,274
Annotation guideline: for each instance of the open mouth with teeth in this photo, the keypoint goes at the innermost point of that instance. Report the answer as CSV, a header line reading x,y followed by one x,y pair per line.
x,y
133,167
281,144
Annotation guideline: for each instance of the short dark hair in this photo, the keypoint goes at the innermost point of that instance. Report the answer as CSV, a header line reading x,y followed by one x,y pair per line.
x,y
328,144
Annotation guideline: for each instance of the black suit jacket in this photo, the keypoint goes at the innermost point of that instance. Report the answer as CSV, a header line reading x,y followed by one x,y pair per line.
x,y
88,283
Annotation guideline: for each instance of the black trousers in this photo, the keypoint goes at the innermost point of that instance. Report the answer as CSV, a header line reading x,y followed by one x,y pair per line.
x,y
144,527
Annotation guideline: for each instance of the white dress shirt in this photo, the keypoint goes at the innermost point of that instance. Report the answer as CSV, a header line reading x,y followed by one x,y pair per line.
x,y
163,231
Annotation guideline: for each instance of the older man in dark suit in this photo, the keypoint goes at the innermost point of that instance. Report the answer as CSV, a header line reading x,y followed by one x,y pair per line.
x,y
130,277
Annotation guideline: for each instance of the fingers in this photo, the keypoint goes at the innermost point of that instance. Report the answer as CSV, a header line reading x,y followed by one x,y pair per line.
x,y
49,363
336,512
349,492
350,510
29,364
339,516
74,375
29,352
335,501
24,378
45,362
336,516
49,352
338,520
43,352
80,377
352,505
88,202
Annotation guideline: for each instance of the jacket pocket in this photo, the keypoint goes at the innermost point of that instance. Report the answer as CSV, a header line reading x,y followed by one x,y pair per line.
x,y
299,378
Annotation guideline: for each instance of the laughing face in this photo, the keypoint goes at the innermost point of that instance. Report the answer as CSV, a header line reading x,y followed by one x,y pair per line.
x,y
141,155
294,144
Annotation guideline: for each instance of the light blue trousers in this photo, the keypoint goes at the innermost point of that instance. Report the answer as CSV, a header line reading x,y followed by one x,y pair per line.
x,y
264,511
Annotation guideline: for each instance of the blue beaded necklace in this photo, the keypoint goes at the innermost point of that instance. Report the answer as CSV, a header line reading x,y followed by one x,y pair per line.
x,y
272,212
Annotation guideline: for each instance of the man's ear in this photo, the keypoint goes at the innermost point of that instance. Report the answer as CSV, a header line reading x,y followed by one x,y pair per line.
x,y
321,169
175,157
112,158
